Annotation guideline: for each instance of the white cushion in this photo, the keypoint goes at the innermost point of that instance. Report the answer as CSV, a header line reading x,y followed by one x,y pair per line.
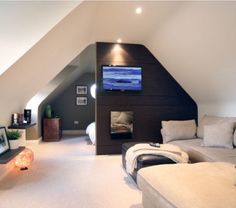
x,y
210,120
219,135
178,130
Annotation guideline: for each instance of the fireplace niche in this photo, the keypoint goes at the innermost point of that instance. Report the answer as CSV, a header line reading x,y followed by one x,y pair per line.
x,y
121,124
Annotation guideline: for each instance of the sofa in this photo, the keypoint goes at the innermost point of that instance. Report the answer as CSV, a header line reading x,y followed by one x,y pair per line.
x,y
208,181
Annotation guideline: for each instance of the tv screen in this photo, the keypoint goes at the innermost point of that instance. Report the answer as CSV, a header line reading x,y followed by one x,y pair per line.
x,y
122,78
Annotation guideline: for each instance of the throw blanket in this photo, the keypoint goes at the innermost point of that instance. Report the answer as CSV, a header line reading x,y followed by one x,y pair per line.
x,y
171,151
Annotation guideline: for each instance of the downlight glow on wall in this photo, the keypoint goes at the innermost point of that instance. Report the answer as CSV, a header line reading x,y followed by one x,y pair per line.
x,y
138,10
119,40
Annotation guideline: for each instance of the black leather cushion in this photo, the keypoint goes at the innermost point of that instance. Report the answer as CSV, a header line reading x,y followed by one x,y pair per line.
x,y
127,145
144,160
149,160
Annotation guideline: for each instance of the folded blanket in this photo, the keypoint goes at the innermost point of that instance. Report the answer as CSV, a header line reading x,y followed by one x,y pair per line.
x,y
170,151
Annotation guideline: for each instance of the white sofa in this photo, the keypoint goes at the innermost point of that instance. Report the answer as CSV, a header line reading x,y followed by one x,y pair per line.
x,y
217,146
198,185
198,153
208,183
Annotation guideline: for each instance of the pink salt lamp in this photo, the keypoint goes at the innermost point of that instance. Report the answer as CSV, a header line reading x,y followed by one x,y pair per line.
x,y
24,159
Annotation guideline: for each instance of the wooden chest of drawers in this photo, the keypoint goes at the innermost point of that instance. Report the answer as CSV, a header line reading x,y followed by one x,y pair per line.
x,y
51,129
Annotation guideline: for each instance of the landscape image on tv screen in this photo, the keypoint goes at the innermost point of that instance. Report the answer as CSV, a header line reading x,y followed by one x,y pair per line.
x,y
122,78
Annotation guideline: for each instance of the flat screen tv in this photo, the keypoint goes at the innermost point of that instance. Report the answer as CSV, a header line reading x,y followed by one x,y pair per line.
x,y
123,78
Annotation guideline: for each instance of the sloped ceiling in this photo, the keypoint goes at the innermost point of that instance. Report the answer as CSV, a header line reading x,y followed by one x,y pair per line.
x,y
195,41
23,23
117,19
198,47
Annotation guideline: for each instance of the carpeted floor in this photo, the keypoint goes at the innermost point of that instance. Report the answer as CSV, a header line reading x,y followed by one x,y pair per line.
x,y
68,174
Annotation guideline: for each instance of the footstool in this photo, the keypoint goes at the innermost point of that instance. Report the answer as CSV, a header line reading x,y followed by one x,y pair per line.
x,y
145,160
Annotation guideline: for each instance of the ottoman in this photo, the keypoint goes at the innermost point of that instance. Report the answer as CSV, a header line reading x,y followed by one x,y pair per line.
x,y
145,160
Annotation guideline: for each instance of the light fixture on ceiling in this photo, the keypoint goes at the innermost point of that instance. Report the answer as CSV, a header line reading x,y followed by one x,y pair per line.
x,y
138,10
119,40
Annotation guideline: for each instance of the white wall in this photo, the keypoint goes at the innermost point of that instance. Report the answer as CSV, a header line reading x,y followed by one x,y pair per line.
x,y
219,108
197,45
51,89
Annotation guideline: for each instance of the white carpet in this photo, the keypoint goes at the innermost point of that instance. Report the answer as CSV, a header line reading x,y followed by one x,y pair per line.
x,y
67,174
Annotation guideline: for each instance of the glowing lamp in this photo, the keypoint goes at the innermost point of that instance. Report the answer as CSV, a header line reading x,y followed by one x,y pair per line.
x,y
24,159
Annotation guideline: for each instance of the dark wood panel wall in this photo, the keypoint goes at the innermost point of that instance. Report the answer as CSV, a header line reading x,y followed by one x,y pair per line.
x,y
161,98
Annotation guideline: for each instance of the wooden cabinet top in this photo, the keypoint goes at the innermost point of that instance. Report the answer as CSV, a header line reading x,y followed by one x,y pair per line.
x,y
23,126
51,118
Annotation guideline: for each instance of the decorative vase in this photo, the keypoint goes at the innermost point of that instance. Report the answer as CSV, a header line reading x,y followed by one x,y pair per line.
x,y
14,144
48,111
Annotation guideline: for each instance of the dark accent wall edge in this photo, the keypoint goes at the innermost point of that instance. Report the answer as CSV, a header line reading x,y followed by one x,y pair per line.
x,y
162,98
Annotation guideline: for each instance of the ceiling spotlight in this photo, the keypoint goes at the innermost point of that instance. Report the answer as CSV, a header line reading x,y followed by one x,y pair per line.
x,y
119,40
138,10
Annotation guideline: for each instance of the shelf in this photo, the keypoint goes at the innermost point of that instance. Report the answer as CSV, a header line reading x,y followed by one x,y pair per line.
x,y
23,126
10,154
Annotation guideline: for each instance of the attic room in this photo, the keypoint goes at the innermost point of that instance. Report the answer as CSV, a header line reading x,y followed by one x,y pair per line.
x,y
163,113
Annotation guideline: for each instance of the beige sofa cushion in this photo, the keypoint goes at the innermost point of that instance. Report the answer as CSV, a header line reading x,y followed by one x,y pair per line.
x,y
219,135
210,120
175,130
199,185
197,153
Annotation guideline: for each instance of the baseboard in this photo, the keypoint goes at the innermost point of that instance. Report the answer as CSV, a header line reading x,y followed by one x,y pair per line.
x,y
34,142
73,132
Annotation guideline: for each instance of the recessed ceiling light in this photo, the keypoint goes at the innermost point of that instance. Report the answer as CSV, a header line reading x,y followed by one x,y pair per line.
x,y
138,10
119,40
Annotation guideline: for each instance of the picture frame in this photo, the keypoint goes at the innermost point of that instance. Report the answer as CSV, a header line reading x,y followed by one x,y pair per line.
x,y
81,89
4,143
81,101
